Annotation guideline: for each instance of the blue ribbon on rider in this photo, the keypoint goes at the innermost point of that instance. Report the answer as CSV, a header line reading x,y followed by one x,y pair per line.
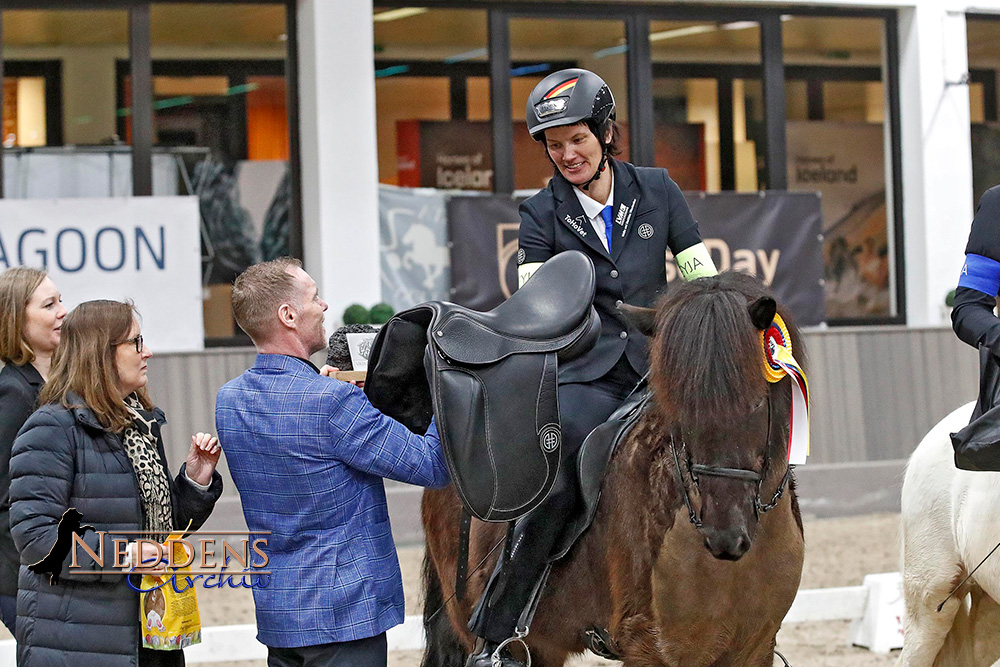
x,y
981,274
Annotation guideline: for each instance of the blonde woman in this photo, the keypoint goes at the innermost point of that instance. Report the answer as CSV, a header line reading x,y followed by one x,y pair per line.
x,y
31,316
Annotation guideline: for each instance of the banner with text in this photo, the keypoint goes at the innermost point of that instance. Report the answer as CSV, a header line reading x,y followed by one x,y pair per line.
x,y
147,249
775,235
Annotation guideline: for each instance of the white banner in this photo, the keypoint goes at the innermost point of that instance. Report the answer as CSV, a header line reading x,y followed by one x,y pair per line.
x,y
147,249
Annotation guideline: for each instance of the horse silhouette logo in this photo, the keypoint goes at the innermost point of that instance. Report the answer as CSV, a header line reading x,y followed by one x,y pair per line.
x,y
425,253
69,525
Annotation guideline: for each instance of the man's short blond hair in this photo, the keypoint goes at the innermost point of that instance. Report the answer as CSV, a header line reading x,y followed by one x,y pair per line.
x,y
259,291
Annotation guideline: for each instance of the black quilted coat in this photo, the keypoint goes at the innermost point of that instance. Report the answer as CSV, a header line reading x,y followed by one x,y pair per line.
x,y
64,458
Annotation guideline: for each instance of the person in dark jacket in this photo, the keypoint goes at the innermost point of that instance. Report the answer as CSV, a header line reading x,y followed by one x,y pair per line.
x,y
625,218
978,284
94,446
31,316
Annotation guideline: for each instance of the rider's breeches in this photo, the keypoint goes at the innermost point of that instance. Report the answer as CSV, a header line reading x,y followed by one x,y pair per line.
x,y
582,407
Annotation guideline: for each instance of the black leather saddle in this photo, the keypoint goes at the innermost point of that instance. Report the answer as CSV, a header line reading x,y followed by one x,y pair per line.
x,y
490,379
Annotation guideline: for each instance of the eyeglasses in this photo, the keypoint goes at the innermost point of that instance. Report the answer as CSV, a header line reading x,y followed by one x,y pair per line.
x,y
137,341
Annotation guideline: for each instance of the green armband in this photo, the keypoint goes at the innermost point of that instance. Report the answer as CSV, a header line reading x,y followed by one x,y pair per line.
x,y
696,262
525,271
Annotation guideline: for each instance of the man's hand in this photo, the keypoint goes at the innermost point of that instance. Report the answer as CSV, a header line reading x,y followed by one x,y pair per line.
x,y
328,371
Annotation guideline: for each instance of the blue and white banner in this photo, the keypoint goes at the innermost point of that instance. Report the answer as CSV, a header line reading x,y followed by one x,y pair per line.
x,y
147,249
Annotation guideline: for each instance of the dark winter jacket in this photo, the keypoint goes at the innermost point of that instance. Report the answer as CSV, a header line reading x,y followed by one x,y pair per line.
x,y
19,387
64,458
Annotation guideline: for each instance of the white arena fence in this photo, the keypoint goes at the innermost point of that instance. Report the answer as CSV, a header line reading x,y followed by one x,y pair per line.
x,y
874,607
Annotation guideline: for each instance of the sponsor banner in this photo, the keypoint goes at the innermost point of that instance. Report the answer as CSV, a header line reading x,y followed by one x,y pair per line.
x,y
147,249
483,236
414,246
846,163
776,236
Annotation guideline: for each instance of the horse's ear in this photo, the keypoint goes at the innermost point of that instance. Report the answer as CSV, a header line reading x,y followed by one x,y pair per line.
x,y
762,312
643,319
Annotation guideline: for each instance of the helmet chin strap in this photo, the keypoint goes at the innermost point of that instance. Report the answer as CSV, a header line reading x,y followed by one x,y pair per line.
x,y
597,174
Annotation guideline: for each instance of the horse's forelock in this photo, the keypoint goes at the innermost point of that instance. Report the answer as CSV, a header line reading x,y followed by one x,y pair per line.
x,y
707,357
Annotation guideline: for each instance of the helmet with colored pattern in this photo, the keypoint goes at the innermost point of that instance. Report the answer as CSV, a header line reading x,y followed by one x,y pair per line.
x,y
567,97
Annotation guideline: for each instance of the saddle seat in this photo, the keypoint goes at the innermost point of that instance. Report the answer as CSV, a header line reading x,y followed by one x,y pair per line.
x,y
544,315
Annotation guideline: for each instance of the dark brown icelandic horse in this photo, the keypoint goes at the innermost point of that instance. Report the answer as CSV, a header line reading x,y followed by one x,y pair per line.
x,y
671,594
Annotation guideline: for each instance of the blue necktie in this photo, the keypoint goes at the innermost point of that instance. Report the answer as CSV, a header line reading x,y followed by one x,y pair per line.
x,y
606,214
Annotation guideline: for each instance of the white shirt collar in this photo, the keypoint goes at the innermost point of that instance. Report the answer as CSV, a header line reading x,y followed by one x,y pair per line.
x,y
593,208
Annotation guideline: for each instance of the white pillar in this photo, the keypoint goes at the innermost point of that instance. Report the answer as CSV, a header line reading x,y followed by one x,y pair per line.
x,y
936,153
340,228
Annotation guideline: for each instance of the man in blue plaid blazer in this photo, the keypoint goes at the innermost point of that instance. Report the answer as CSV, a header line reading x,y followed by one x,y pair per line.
x,y
308,454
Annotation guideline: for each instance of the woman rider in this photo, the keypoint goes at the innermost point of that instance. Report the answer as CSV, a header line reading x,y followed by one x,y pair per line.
x,y
979,283
624,218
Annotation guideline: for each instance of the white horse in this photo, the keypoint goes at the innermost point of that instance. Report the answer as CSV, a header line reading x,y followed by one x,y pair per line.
x,y
950,522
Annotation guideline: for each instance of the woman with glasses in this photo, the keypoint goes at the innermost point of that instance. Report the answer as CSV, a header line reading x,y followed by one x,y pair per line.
x,y
94,446
31,316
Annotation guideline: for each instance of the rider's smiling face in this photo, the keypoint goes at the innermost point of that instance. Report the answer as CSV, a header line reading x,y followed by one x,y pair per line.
x,y
575,151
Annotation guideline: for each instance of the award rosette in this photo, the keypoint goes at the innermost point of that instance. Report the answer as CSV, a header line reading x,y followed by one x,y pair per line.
x,y
779,362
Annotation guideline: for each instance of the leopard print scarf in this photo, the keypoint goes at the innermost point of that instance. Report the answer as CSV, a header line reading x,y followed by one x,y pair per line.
x,y
141,438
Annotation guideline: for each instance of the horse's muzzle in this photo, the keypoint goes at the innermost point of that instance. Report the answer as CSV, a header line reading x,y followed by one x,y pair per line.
x,y
726,544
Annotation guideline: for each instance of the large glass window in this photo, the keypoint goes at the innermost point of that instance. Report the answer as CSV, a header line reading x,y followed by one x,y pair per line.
x,y
59,90
707,103
432,97
221,123
984,62
837,145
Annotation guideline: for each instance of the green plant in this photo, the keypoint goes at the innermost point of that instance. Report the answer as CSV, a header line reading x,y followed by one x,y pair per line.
x,y
381,313
356,314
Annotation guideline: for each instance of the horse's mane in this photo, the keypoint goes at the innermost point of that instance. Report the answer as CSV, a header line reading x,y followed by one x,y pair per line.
x,y
707,359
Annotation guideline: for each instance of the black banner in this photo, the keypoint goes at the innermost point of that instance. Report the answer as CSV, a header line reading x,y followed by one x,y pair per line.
x,y
775,235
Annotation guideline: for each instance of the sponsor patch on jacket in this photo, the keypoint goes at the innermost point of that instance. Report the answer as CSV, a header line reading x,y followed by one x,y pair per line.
x,y
576,224
624,216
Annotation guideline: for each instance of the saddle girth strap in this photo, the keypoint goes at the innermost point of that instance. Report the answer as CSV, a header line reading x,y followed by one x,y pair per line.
x,y
462,567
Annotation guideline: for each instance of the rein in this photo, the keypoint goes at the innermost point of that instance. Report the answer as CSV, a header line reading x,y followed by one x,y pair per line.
x,y
695,470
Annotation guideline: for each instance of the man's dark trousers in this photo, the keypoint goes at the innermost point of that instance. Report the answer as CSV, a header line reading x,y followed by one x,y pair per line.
x,y
370,652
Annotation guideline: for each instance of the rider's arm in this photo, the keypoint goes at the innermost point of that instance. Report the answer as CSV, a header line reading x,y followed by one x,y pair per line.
x,y
684,239
972,317
535,241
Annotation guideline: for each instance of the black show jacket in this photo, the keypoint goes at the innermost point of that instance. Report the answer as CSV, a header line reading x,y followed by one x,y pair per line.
x,y
650,216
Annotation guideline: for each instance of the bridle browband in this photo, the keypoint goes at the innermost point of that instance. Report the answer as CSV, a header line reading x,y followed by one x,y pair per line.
x,y
695,470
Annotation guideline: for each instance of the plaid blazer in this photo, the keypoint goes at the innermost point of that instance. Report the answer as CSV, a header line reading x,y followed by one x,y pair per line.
x,y
308,454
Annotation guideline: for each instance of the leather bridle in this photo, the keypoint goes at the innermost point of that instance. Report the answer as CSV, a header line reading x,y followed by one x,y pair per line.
x,y
696,470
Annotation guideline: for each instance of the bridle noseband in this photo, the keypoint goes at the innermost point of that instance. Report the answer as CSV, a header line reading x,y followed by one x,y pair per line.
x,y
694,470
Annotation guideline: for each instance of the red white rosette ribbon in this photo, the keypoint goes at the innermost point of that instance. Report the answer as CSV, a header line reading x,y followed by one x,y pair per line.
x,y
779,362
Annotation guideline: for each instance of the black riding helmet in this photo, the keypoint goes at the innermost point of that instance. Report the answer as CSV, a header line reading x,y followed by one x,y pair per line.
x,y
568,97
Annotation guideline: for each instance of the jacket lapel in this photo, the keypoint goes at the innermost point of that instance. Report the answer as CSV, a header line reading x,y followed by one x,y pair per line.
x,y
570,213
626,202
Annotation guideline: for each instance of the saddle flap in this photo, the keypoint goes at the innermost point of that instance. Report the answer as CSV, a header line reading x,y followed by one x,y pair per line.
x,y
499,425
